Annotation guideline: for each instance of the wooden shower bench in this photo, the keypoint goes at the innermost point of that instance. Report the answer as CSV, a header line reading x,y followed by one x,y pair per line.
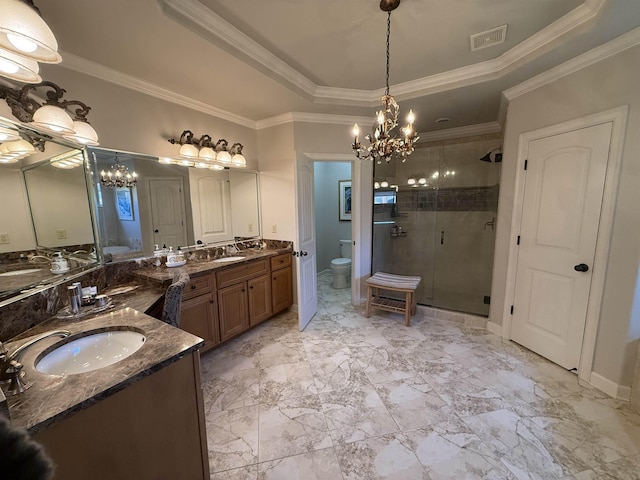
x,y
396,283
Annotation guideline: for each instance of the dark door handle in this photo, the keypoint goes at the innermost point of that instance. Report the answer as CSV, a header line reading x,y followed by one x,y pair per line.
x,y
442,237
156,230
583,267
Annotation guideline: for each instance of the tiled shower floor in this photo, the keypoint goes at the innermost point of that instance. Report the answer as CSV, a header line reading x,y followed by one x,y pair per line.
x,y
357,398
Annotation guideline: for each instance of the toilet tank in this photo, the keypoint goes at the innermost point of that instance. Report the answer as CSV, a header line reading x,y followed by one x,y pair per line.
x,y
345,248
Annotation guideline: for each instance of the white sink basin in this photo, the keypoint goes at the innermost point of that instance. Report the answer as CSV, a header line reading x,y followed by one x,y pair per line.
x,y
91,352
229,259
19,272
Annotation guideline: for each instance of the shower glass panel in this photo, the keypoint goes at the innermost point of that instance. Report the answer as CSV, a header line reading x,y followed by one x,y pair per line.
x,y
440,224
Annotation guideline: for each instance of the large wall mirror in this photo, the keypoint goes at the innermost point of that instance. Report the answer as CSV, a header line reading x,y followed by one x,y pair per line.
x,y
46,210
170,205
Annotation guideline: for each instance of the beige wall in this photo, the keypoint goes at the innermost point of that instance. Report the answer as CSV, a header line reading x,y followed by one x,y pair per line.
x,y
127,120
610,83
15,217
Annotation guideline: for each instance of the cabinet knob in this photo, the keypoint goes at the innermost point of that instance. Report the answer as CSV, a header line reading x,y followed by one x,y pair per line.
x,y
211,301
193,287
251,287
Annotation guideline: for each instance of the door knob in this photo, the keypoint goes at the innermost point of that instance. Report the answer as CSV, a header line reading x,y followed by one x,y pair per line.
x,y
582,267
303,254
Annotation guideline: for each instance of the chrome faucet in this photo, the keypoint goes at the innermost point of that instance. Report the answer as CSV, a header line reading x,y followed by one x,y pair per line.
x,y
10,367
32,258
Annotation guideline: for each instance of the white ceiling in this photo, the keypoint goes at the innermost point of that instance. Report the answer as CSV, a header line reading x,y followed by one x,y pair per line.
x,y
257,59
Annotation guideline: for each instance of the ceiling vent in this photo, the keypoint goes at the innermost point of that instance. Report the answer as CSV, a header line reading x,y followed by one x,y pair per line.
x,y
488,38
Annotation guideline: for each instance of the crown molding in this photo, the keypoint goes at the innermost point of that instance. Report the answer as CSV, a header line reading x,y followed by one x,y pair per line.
x,y
102,72
291,117
602,52
193,14
460,132
222,33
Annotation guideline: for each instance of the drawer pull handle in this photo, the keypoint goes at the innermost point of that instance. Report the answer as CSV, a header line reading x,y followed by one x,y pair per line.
x,y
193,287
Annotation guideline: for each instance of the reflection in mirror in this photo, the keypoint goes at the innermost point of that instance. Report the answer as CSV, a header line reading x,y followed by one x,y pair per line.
x,y
171,205
46,211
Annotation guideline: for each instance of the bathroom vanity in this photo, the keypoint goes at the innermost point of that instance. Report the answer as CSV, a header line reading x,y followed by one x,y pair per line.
x,y
142,417
228,296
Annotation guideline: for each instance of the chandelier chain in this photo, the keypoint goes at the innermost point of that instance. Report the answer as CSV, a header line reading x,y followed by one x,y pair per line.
x,y
386,91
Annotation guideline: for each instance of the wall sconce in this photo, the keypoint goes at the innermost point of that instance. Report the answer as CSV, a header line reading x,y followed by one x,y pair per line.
x,y
15,146
203,153
52,116
25,40
118,176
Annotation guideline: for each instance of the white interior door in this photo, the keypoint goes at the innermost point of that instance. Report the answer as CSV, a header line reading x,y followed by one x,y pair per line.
x,y
306,245
561,211
167,212
211,205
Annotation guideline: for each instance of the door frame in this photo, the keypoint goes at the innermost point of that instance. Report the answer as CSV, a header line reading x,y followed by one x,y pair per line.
x,y
618,117
357,260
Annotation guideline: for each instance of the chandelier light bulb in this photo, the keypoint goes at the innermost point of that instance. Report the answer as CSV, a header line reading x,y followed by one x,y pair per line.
x,y
380,117
411,117
355,131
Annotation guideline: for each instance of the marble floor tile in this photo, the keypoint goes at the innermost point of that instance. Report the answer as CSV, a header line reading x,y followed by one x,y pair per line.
x,y
292,426
387,457
232,438
337,372
231,389
316,465
451,451
286,380
413,403
355,414
244,473
368,398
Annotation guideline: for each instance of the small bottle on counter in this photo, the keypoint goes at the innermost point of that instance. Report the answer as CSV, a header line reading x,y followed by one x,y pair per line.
x,y
179,255
171,256
75,300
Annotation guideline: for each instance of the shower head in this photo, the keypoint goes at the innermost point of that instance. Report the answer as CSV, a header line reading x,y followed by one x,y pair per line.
x,y
493,156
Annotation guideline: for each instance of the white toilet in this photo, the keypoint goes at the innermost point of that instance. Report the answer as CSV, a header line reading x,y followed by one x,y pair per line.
x,y
341,267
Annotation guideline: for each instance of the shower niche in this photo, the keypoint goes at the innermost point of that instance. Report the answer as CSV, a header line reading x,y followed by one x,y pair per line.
x,y
434,216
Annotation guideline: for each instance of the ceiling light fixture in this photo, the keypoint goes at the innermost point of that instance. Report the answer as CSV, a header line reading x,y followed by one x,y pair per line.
x,y
203,153
383,144
24,32
53,116
118,176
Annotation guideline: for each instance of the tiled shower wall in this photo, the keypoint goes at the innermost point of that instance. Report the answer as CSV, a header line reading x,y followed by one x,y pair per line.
x,y
448,227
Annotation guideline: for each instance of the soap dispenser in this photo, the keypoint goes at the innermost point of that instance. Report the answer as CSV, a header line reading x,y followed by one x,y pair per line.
x,y
59,264
171,256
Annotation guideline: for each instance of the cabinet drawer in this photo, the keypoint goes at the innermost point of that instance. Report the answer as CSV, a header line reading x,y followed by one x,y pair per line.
x,y
232,275
280,261
198,286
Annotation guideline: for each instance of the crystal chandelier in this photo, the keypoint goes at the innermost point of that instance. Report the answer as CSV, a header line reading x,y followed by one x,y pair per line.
x,y
383,144
118,176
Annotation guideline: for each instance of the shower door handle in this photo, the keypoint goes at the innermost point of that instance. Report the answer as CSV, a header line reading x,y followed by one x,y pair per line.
x,y
442,237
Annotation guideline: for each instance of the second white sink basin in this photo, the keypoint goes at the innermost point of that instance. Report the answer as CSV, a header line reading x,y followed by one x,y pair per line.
x,y
228,259
91,352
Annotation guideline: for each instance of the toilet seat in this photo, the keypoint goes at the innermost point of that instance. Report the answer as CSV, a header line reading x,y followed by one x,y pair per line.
x,y
340,262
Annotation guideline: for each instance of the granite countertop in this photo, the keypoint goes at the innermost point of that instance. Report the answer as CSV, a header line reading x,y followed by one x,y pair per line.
x,y
164,275
53,398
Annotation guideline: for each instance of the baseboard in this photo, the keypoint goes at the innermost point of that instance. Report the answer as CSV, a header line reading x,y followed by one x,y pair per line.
x,y
619,392
494,328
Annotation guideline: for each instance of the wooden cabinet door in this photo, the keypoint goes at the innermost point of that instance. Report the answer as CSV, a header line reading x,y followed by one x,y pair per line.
x,y
282,289
198,316
259,299
232,310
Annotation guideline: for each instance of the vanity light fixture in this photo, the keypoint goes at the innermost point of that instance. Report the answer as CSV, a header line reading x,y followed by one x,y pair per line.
x,y
384,144
52,116
417,180
118,176
203,153
68,160
8,134
25,40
